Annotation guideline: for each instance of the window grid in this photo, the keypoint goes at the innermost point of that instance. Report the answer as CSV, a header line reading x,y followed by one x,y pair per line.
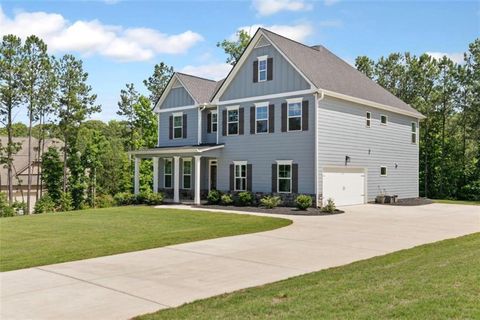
x,y
262,69
177,126
214,123
187,174
383,119
167,173
240,177
369,119
414,132
261,119
232,122
284,181
295,116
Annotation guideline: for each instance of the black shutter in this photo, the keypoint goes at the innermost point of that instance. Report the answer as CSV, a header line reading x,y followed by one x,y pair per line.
x,y
252,120
184,133
170,127
274,178
269,68
241,122
209,122
224,122
295,178
232,177
249,177
271,118
284,117
255,71
305,115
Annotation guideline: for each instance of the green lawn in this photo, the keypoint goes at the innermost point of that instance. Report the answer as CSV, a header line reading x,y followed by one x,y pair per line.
x,y
51,238
435,281
472,203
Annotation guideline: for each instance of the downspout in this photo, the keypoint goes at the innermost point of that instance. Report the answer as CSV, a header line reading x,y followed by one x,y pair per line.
x,y
199,133
218,120
315,167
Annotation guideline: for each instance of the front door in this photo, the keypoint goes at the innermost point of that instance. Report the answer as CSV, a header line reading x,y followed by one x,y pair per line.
x,y
213,175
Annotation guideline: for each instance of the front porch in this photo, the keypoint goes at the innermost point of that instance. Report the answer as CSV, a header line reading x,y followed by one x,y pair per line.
x,y
182,174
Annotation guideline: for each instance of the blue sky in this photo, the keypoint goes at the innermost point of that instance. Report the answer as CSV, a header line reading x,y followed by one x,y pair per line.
x,y
121,41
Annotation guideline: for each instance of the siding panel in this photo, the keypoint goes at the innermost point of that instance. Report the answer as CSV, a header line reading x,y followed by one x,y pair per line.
x,y
177,97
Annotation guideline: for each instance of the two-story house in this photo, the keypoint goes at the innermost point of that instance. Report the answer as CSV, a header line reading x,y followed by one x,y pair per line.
x,y
288,119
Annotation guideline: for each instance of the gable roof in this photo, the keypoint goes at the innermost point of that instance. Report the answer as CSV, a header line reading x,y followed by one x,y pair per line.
x,y
199,88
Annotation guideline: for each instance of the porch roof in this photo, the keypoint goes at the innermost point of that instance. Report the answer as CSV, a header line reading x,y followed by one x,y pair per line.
x,y
180,150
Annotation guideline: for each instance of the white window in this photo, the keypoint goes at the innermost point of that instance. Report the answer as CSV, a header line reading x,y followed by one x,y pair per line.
x,y
167,173
414,132
383,171
261,118
294,114
214,123
177,125
240,175
369,119
262,68
284,176
383,119
187,173
232,121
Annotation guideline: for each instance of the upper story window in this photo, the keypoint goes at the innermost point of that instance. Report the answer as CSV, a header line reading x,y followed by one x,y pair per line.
x,y
187,173
414,132
262,68
261,118
232,121
167,173
177,125
383,171
240,175
368,119
214,123
383,119
284,174
294,114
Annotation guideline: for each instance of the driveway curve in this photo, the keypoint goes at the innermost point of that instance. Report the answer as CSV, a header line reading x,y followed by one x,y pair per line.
x,y
125,285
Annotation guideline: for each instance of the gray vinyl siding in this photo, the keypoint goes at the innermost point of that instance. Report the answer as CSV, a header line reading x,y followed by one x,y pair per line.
x,y
207,137
285,77
192,131
203,172
342,131
261,150
177,97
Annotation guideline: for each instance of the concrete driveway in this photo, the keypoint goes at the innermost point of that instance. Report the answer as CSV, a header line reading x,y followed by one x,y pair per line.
x,y
124,285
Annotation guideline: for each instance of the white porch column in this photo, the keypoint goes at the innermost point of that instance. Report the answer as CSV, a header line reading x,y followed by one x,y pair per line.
x,y
197,180
155,174
176,179
136,181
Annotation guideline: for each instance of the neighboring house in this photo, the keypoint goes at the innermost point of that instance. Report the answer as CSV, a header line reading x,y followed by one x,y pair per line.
x,y
288,119
20,166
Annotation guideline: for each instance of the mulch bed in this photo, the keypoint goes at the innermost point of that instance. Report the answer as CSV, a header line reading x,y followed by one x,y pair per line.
x,y
409,202
278,210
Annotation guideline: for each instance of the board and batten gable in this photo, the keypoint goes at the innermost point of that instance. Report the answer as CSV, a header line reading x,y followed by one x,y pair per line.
x,y
285,77
261,150
177,97
164,129
342,131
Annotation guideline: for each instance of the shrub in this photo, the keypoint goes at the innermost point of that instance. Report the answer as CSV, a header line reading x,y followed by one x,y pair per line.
x,y
124,199
154,199
226,199
245,198
330,206
19,208
303,202
213,197
5,209
65,202
270,202
44,204
470,191
104,201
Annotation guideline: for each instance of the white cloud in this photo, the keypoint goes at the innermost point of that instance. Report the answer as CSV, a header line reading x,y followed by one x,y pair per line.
x,y
330,2
215,71
456,57
269,7
93,37
330,23
297,32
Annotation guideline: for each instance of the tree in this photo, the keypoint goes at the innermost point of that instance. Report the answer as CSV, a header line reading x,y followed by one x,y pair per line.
x,y
234,49
52,173
158,81
75,103
365,65
18,130
128,98
36,81
11,96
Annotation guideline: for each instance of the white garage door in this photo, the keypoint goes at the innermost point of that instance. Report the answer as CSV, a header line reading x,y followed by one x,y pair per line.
x,y
346,186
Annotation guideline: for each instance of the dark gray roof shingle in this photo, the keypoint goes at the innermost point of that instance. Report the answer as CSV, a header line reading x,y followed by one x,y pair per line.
x,y
201,89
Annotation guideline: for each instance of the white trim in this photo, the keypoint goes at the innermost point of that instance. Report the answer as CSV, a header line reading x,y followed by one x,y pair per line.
x,y
151,152
232,107
284,163
183,172
242,162
315,167
372,104
178,108
235,164
265,57
386,119
169,174
262,105
413,132
177,114
368,119
295,100
218,114
155,174
176,179
167,91
197,166
386,171
301,115
267,97
262,59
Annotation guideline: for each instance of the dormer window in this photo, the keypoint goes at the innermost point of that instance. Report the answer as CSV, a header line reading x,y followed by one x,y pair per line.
x,y
262,68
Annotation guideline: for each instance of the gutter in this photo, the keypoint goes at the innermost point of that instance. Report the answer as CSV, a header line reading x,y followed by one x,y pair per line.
x,y
315,167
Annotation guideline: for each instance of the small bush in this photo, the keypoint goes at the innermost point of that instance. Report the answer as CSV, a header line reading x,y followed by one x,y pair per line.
x,y
303,202
154,199
270,202
65,202
214,196
5,209
124,199
470,191
330,206
104,201
226,199
44,205
245,198
20,208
